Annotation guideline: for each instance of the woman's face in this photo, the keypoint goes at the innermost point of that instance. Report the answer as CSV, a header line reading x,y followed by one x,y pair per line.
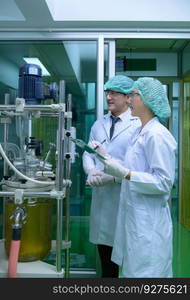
x,y
136,104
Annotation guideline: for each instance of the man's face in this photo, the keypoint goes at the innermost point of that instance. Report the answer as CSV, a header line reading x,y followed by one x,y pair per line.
x,y
117,102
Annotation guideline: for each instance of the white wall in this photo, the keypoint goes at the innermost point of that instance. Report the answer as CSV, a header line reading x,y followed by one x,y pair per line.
x,y
166,64
120,10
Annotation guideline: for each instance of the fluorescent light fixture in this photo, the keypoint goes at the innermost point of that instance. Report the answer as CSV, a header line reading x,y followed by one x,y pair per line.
x,y
36,61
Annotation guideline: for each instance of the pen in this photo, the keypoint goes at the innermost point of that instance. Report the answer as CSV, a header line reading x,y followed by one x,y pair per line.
x,y
100,143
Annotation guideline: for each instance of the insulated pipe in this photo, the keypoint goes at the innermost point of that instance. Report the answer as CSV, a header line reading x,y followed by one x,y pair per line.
x,y
19,216
13,256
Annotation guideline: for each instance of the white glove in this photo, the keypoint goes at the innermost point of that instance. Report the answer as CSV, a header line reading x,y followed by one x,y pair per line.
x,y
98,147
92,174
105,178
114,168
98,178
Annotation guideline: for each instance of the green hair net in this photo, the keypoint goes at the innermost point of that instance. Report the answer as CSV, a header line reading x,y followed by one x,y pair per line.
x,y
119,83
153,95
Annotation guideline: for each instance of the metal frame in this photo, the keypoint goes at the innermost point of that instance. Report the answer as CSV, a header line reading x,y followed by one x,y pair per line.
x,y
100,78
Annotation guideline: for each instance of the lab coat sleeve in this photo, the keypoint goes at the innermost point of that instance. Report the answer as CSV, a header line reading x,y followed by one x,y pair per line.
x,y
88,160
159,153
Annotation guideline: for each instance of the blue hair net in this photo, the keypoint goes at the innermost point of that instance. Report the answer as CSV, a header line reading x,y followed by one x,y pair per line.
x,y
153,95
119,83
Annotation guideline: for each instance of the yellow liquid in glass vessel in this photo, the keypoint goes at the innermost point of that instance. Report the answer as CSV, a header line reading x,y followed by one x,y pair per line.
x,y
36,233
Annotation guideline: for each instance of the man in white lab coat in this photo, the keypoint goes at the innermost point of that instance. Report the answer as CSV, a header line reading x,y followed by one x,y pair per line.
x,y
143,236
113,130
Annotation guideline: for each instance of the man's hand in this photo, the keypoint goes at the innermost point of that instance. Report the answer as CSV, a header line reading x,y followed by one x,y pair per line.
x,y
98,178
98,147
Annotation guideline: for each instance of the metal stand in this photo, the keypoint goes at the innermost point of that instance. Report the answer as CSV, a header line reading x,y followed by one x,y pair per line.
x,y
61,190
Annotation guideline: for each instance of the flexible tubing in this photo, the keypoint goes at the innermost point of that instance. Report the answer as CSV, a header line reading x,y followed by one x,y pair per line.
x,y
13,259
13,148
19,173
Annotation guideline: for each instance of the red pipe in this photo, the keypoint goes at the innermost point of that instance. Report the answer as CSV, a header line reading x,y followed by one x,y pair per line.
x,y
13,259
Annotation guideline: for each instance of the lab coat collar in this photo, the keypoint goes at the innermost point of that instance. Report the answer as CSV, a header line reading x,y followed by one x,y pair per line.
x,y
148,125
125,122
125,116
141,131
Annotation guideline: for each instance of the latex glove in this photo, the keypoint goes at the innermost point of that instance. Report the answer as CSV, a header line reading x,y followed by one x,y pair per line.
x,y
92,176
98,147
94,180
105,178
99,179
114,168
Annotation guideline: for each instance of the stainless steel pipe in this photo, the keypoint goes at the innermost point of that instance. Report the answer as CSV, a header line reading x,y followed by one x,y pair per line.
x,y
67,176
59,177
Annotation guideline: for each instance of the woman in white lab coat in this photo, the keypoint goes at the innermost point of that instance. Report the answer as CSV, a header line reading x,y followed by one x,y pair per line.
x,y
143,237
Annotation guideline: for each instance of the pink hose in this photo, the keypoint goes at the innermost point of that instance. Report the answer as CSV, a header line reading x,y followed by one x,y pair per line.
x,y
13,259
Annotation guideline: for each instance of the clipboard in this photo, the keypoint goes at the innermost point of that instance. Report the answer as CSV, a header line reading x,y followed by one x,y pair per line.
x,y
85,147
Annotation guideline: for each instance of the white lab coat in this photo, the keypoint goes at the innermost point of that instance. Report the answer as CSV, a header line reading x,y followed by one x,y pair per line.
x,y
143,238
105,199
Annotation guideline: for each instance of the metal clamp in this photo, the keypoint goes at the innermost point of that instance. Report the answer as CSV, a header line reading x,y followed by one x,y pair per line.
x,y
20,104
67,155
66,244
58,107
67,183
19,196
67,133
68,114
57,194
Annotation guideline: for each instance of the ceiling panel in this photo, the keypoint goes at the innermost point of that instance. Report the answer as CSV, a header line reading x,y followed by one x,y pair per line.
x,y
9,11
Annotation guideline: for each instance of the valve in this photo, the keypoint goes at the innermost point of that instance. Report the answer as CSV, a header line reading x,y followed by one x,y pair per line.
x,y
18,217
